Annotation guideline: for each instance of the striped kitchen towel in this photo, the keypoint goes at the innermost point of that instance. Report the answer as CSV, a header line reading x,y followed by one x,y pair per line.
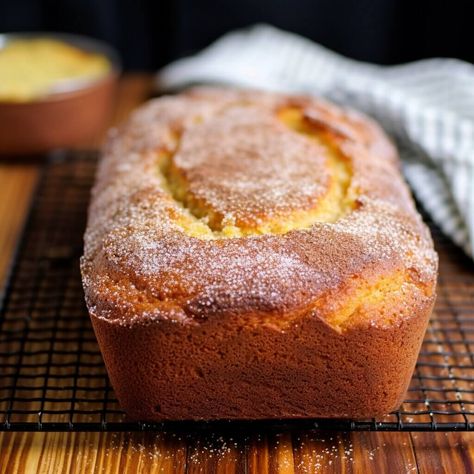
x,y
426,106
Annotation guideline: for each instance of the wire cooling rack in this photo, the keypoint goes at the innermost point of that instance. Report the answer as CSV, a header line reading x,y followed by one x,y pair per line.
x,y
52,376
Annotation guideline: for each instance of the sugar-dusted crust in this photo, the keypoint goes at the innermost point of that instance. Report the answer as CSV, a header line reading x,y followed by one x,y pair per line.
x,y
253,255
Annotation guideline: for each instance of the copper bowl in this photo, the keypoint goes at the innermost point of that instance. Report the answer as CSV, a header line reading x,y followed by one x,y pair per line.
x,y
61,119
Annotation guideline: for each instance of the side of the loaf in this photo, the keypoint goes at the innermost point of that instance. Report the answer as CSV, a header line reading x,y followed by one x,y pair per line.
x,y
174,372
253,255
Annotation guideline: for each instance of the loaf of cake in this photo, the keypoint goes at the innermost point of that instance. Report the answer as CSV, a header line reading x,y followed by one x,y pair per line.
x,y
251,255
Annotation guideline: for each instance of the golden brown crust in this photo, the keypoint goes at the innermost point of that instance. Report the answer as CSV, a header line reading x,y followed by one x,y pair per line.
x,y
239,216
210,371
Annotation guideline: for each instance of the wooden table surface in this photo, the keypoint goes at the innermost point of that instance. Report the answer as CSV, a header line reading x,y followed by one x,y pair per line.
x,y
306,452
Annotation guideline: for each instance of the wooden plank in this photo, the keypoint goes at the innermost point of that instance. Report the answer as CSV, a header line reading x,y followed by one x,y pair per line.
x,y
221,453
302,453
281,453
85,453
322,452
17,182
439,453
258,456
353,452
117,452
383,452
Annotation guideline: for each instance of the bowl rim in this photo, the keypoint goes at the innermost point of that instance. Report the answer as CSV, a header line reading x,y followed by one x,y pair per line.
x,y
85,43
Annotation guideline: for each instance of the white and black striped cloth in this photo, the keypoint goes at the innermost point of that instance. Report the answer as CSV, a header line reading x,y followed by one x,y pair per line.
x,y
427,106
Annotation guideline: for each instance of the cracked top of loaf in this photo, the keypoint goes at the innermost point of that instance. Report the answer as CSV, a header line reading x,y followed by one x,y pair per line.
x,y
220,203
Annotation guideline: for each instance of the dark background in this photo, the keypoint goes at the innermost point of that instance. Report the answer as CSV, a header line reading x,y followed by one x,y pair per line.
x,y
151,33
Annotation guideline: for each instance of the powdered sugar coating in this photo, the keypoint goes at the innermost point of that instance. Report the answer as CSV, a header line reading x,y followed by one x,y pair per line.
x,y
244,175
140,266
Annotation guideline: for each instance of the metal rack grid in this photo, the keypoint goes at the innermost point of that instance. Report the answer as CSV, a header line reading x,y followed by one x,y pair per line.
x,y
52,375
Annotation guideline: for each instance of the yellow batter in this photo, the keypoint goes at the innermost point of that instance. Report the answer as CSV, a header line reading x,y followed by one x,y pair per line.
x,y
33,68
